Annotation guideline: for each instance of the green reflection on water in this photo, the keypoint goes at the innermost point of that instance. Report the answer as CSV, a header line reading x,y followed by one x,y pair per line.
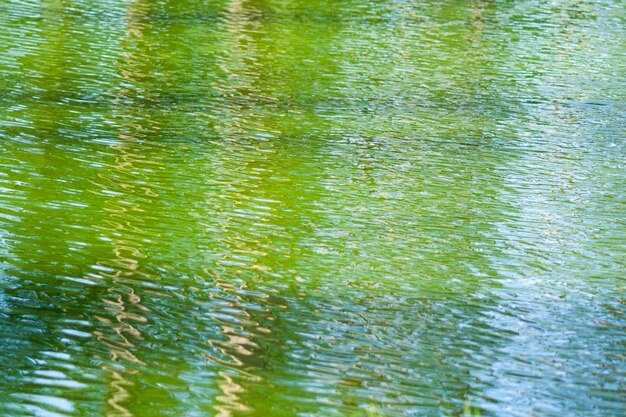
x,y
311,208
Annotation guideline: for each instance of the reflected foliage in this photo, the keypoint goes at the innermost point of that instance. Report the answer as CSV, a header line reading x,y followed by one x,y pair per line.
x,y
312,208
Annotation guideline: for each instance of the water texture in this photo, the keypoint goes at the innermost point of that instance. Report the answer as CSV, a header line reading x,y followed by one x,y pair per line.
x,y
312,208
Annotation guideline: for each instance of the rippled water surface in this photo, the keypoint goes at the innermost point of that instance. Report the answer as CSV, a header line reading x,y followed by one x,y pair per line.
x,y
312,208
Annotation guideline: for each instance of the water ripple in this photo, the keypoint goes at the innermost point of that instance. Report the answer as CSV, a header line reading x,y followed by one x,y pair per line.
x,y
346,208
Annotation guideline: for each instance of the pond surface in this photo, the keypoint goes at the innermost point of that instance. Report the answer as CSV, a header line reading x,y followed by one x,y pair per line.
x,y
312,208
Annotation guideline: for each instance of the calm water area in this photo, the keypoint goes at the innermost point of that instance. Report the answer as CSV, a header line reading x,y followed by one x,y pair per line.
x,y
312,208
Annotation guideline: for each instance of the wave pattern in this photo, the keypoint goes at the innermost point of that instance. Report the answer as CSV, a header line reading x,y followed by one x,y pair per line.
x,y
312,208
